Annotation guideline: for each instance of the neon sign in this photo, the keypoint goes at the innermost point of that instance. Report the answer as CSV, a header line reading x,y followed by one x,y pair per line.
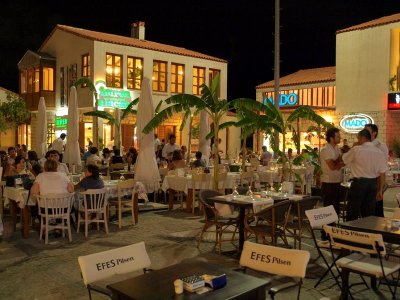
x,y
284,100
112,98
394,101
61,122
355,123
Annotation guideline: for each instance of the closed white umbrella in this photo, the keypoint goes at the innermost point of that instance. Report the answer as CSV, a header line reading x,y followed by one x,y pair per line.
x,y
41,142
204,144
72,154
146,165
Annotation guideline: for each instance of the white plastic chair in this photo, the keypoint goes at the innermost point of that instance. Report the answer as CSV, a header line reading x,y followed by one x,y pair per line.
x,y
52,209
129,200
277,261
122,260
93,202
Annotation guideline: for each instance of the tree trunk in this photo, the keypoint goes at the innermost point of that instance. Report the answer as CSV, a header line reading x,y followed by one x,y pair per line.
x,y
244,155
216,171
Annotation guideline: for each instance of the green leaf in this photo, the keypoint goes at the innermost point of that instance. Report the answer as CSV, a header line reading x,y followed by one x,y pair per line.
x,y
85,81
104,115
128,110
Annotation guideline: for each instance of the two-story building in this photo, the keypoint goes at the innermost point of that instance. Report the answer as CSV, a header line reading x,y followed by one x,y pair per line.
x,y
118,64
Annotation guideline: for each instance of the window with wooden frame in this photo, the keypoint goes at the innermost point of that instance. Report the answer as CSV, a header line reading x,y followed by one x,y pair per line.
x,y
22,81
85,67
48,79
114,70
135,72
36,81
199,77
212,73
159,76
177,78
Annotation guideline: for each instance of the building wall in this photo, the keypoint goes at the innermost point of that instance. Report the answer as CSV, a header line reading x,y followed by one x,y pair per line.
x,y
363,68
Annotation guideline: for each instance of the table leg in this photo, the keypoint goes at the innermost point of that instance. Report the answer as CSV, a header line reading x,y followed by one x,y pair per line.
x,y
345,284
171,195
136,207
25,222
189,201
13,212
241,228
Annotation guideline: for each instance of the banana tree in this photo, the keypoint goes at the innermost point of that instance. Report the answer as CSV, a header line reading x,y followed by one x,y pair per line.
x,y
116,121
208,101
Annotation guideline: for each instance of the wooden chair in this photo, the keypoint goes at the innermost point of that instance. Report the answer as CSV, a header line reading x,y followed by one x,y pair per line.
x,y
269,223
367,257
116,167
126,198
277,261
98,268
199,182
255,163
299,221
213,218
247,178
221,181
93,202
55,210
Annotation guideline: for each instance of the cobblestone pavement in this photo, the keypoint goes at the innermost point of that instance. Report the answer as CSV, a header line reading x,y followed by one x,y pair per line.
x,y
29,269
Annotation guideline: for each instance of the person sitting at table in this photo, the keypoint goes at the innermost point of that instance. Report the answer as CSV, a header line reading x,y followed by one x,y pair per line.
x,y
130,159
61,167
19,168
177,161
117,157
106,156
32,159
199,162
51,181
93,159
91,180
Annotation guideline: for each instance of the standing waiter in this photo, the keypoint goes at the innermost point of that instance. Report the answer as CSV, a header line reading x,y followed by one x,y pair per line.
x,y
366,162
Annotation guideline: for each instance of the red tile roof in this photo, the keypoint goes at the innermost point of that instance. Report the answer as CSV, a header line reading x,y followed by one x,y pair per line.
x,y
377,22
129,41
307,76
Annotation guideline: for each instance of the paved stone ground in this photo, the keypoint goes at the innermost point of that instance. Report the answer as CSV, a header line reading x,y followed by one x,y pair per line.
x,y
29,269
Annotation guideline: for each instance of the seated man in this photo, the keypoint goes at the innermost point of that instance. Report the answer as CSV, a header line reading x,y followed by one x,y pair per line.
x,y
93,159
199,162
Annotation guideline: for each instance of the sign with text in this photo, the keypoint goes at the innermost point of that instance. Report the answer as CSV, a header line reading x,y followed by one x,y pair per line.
x,y
355,123
284,100
393,101
112,98
61,122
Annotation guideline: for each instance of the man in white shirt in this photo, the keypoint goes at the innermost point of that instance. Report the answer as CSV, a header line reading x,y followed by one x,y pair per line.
x,y
373,130
367,163
58,145
93,158
170,148
331,165
265,156
157,143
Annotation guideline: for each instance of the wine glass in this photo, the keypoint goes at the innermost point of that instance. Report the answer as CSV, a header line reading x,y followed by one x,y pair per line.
x,y
235,193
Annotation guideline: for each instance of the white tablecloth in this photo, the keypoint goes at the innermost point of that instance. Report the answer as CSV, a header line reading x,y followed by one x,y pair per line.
x,y
258,203
112,190
182,183
18,194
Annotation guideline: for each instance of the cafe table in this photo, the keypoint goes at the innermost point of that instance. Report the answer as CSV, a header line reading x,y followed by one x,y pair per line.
x,y
18,197
176,183
159,284
374,224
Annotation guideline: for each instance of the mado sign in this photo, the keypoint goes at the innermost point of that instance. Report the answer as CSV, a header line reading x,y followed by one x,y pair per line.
x,y
355,123
284,100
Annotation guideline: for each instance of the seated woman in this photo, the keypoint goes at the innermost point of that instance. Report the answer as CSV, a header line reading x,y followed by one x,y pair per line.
x,y
19,168
177,161
51,181
106,156
91,180
117,157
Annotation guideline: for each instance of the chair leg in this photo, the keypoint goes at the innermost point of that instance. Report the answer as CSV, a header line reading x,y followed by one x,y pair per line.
x,y
78,222
46,237
69,229
119,214
105,216
86,223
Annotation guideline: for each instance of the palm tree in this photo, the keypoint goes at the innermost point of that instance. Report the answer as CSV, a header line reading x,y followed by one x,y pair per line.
x,y
116,121
208,101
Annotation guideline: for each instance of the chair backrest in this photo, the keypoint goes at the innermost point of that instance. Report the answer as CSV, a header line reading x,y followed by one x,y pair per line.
x,y
305,204
209,205
277,214
126,184
117,166
321,216
288,187
55,205
105,264
247,177
365,242
201,181
221,180
274,260
94,199
396,213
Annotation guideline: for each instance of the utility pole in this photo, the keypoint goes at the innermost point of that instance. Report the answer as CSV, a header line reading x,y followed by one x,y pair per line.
x,y
277,63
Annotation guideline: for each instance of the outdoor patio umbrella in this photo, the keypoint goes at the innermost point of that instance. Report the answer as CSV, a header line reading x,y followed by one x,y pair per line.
x,y
41,142
204,144
146,170
72,154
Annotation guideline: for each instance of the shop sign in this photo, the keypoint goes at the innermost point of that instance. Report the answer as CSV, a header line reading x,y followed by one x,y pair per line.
x,y
61,122
355,123
394,101
284,100
112,98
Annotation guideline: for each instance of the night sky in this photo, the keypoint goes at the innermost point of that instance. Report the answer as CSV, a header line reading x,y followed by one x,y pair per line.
x,y
236,30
